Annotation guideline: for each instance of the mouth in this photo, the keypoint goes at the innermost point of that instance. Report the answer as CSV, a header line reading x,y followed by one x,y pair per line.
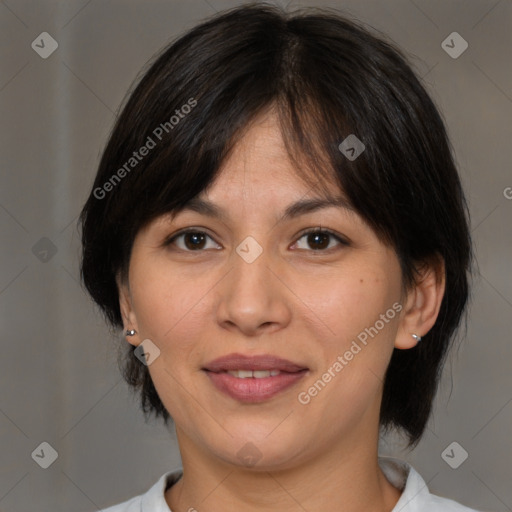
x,y
253,374
253,379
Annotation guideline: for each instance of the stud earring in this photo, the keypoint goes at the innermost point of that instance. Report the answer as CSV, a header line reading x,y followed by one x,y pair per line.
x,y
130,332
416,337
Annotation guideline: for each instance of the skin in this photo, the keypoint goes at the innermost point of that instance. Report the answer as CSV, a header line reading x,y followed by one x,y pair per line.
x,y
294,301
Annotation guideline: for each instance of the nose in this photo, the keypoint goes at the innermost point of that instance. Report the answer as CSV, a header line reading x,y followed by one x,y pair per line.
x,y
254,298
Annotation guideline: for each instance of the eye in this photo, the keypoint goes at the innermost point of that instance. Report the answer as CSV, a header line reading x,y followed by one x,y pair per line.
x,y
316,239
320,240
191,240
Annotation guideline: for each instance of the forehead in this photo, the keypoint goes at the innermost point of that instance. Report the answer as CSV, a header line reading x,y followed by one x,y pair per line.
x,y
261,158
259,174
259,150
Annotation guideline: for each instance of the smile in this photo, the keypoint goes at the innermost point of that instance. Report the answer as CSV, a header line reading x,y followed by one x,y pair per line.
x,y
253,378
257,374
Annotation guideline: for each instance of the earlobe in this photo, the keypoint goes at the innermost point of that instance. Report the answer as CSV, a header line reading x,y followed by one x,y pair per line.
x,y
422,304
127,312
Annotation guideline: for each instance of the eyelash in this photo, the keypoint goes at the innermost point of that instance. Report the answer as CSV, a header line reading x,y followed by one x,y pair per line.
x,y
319,230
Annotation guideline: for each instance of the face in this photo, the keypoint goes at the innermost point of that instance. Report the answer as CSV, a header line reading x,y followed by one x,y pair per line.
x,y
310,301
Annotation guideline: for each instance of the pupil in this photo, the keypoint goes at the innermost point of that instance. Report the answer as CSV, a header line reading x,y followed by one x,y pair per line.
x,y
194,240
316,239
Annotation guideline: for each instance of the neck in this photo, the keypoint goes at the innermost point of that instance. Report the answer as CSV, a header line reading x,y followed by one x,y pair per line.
x,y
342,478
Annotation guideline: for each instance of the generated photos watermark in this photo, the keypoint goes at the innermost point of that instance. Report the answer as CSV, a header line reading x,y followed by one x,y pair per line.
x,y
137,156
304,397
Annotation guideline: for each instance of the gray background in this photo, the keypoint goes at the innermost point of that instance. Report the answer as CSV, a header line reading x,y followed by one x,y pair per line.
x,y
58,372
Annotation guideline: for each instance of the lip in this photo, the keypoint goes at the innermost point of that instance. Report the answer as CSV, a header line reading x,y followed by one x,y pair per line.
x,y
253,390
259,362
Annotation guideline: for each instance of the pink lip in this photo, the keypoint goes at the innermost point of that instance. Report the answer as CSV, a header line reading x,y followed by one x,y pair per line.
x,y
261,362
253,390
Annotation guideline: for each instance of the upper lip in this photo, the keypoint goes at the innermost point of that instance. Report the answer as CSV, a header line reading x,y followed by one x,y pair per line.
x,y
258,362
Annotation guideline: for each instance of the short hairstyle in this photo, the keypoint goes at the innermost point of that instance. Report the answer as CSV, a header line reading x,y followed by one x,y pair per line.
x,y
327,77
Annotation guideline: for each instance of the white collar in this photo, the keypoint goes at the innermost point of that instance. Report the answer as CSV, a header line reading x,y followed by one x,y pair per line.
x,y
415,495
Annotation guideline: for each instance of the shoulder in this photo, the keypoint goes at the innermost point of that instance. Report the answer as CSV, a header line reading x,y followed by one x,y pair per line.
x,y
416,496
153,500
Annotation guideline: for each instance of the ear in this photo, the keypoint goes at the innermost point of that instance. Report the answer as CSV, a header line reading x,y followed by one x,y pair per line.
x,y
422,303
127,312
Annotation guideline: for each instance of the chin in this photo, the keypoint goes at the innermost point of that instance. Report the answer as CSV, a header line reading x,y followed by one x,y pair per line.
x,y
251,449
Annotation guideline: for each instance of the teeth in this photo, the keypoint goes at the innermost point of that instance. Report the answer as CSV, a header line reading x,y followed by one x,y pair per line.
x,y
257,374
243,374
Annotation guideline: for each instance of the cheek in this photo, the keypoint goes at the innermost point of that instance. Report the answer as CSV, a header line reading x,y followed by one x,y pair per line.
x,y
170,307
172,311
357,349
353,299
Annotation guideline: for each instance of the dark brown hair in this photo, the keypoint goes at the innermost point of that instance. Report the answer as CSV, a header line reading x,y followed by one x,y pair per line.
x,y
327,77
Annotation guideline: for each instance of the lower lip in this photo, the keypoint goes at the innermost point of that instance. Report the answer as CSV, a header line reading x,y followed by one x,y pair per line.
x,y
253,390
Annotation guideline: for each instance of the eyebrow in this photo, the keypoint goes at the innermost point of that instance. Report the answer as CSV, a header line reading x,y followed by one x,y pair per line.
x,y
301,207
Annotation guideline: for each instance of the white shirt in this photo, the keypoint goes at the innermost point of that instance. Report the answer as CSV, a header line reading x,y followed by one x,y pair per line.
x,y
415,494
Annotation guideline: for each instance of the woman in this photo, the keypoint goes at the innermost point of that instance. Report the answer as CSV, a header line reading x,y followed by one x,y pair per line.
x,y
278,227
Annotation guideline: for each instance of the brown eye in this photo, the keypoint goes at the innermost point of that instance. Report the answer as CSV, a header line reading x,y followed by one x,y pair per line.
x,y
194,240
320,240
191,241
